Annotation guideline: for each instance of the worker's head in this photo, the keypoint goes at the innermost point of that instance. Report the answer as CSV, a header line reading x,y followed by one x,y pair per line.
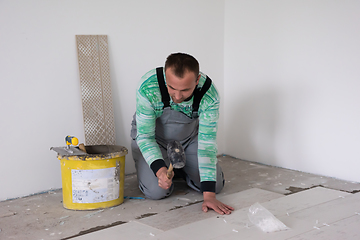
x,y
182,76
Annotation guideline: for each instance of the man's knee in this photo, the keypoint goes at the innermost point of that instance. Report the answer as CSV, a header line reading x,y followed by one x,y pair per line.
x,y
155,192
220,182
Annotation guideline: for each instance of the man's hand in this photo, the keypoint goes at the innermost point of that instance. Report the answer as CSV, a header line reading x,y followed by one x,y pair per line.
x,y
210,202
164,181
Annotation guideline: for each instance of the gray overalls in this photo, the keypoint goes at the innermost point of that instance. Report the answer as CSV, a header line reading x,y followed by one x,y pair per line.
x,y
172,125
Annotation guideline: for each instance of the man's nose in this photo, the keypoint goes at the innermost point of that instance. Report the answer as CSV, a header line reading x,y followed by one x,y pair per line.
x,y
178,95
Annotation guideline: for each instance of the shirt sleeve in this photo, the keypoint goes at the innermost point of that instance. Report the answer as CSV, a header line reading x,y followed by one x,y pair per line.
x,y
207,146
146,122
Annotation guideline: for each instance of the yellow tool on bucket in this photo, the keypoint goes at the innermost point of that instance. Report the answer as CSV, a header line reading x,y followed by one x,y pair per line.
x,y
71,140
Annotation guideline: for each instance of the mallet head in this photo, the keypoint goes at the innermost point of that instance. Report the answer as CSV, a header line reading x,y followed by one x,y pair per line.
x,y
176,154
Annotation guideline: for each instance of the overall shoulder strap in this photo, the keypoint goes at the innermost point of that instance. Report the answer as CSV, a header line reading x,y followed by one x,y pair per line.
x,y
198,96
165,98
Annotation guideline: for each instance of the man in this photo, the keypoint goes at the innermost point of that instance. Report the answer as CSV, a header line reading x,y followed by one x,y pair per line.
x,y
178,103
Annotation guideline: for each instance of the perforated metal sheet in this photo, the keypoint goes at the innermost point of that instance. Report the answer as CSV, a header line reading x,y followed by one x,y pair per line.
x,y
95,85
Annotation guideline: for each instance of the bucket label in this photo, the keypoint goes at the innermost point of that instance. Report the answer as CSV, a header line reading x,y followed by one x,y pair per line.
x,y
95,185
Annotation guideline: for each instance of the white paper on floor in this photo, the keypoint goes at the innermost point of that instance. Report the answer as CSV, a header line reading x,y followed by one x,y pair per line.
x,y
264,219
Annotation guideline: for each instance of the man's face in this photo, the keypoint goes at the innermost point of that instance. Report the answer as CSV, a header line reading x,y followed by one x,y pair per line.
x,y
180,88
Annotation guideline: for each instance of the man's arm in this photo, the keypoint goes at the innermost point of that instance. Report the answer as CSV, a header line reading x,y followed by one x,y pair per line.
x,y
146,122
207,151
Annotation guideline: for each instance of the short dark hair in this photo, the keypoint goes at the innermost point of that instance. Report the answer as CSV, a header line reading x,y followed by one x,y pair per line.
x,y
180,62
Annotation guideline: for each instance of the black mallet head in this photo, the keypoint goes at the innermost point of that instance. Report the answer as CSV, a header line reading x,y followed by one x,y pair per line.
x,y
176,154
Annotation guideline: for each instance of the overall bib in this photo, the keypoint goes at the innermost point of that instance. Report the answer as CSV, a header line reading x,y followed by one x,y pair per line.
x,y
172,125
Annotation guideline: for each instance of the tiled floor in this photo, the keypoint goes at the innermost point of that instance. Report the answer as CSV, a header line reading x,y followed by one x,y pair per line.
x,y
313,207
318,213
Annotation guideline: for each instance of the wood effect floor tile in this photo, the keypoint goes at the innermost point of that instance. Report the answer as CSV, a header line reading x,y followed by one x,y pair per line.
x,y
131,230
190,214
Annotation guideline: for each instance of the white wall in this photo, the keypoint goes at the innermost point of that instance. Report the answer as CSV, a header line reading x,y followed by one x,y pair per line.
x,y
292,83
290,99
40,90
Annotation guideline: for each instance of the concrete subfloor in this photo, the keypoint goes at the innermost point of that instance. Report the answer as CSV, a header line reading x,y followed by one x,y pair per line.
x,y
42,216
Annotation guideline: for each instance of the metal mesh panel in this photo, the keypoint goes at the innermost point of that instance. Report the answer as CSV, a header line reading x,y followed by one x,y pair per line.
x,y
96,89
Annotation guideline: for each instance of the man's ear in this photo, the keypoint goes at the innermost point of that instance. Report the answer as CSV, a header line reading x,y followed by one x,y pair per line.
x,y
198,79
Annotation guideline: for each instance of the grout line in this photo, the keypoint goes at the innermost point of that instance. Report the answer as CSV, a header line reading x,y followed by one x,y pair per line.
x,y
95,229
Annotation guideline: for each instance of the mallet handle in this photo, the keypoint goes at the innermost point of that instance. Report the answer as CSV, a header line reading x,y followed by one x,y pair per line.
x,y
170,169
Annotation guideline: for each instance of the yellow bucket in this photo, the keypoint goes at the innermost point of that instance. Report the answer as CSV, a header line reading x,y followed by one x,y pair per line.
x,y
94,180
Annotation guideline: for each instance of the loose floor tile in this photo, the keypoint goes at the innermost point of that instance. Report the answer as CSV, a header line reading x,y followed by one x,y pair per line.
x,y
204,229
302,200
346,229
189,214
332,211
